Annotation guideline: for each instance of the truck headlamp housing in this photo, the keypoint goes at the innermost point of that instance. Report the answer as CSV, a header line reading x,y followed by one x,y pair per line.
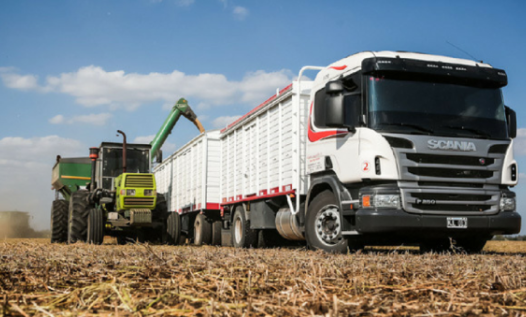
x,y
130,192
507,204
381,201
150,192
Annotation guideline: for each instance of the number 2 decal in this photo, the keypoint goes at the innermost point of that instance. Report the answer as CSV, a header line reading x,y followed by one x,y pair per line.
x,y
366,166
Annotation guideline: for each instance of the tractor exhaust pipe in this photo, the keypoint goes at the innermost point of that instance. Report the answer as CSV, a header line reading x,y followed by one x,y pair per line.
x,y
123,151
93,155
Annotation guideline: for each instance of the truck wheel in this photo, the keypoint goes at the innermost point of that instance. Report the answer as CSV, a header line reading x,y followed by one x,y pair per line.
x,y
323,225
78,216
95,232
242,235
202,230
173,228
473,245
59,221
216,232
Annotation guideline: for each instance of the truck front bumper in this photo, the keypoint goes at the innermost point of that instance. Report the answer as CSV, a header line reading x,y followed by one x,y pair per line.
x,y
396,221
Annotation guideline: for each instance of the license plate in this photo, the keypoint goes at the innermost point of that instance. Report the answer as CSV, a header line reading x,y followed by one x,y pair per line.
x,y
457,222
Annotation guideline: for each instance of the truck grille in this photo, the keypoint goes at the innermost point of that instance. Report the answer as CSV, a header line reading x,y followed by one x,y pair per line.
x,y
136,201
139,181
449,172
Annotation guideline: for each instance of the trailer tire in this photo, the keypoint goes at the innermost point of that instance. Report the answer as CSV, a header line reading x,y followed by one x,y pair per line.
x,y
95,232
216,232
173,228
323,227
78,216
59,221
242,235
202,230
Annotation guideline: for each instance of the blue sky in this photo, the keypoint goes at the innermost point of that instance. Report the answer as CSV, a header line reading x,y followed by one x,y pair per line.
x,y
73,72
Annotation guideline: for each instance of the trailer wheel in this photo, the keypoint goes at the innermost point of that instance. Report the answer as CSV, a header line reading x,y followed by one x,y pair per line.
x,y
242,235
59,221
216,232
202,230
173,228
95,232
78,216
323,225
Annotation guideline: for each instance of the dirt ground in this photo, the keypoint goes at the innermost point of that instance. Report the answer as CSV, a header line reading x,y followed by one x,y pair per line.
x,y
38,278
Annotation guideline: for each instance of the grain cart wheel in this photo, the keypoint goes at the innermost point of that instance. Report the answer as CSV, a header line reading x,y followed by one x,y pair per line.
x,y
242,235
78,216
202,230
59,221
95,232
323,225
216,232
173,228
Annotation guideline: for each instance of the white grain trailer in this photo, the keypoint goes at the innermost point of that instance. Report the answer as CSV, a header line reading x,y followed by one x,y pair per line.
x,y
189,179
263,168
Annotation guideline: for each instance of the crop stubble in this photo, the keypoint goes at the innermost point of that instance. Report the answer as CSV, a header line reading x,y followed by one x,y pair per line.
x,y
38,278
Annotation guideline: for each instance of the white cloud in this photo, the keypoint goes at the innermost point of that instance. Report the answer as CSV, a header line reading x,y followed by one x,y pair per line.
x,y
13,80
240,13
94,119
222,122
519,144
25,165
93,86
58,119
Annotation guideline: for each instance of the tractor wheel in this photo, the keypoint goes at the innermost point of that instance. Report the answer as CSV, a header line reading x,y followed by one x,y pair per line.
x,y
202,230
95,234
323,225
59,221
216,232
78,216
242,235
173,228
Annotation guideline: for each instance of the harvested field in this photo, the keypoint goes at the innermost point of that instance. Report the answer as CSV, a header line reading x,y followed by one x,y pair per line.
x,y
37,278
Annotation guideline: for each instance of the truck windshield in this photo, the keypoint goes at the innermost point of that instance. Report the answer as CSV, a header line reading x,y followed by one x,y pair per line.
x,y
437,108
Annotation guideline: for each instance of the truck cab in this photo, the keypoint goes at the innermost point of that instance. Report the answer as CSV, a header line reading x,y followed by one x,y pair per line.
x,y
414,148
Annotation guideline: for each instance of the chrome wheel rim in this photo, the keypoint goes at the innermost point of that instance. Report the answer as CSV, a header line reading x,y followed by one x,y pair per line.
x,y
238,229
328,225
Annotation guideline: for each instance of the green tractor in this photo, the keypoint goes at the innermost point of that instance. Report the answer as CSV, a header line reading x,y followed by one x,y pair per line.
x,y
121,204
112,192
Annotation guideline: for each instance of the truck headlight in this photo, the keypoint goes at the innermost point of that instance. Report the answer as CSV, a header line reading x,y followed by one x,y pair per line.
x,y
150,192
507,204
381,201
130,192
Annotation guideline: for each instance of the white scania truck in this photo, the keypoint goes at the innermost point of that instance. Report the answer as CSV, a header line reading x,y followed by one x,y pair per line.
x,y
382,148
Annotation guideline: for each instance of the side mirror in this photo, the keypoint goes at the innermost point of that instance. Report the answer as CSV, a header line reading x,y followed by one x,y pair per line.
x,y
159,157
334,106
511,118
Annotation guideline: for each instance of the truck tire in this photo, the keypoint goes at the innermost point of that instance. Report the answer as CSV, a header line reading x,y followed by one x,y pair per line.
x,y
323,225
159,214
216,232
202,230
242,235
59,221
78,216
173,228
95,232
